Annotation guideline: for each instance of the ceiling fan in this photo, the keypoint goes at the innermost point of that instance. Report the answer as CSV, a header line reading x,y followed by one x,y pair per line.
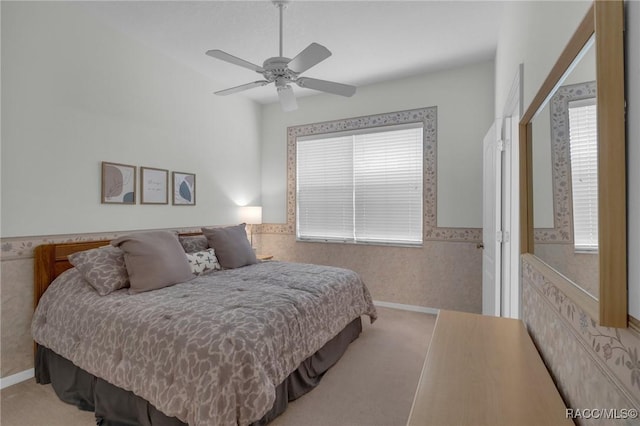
x,y
283,71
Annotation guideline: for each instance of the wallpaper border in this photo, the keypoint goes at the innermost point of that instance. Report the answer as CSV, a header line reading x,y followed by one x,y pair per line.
x,y
12,248
428,116
615,350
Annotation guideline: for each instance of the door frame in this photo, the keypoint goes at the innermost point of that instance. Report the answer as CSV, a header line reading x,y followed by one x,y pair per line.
x,y
511,304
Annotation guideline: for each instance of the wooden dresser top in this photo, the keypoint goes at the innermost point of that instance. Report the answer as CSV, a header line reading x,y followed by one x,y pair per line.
x,y
483,370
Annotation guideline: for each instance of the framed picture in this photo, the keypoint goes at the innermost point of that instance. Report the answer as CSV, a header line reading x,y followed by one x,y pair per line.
x,y
118,183
154,186
184,189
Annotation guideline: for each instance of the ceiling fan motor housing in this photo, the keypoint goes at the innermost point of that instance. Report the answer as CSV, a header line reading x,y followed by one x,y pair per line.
x,y
275,69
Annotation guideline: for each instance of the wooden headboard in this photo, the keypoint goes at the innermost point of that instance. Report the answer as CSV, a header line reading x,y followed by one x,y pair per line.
x,y
50,260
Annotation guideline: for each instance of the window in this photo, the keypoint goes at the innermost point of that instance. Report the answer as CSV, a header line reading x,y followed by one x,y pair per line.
x,y
583,142
361,186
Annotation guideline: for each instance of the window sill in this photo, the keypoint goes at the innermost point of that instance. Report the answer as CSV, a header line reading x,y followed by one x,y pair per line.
x,y
359,243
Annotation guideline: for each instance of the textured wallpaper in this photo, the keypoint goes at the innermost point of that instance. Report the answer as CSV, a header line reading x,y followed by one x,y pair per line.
x,y
593,366
441,274
430,276
16,255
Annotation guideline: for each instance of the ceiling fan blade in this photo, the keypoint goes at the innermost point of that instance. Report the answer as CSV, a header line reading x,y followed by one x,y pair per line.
x,y
326,86
312,55
287,98
242,87
224,56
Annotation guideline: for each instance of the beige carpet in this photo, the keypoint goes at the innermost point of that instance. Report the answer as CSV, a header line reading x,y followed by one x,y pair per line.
x,y
373,384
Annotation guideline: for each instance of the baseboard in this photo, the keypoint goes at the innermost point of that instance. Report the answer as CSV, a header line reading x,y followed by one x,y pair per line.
x,y
5,382
403,307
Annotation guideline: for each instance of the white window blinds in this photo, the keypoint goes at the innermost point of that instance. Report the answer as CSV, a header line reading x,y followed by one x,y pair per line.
x,y
363,186
325,188
583,140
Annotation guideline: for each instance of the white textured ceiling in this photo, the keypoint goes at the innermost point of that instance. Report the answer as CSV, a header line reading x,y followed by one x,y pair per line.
x,y
371,41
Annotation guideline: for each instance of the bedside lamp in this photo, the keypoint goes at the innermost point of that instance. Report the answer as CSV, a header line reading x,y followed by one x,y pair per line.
x,y
251,215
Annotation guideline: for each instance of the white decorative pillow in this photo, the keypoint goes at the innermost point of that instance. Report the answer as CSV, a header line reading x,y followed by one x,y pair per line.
x,y
203,262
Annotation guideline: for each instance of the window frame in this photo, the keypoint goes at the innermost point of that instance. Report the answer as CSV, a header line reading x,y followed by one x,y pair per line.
x,y
429,116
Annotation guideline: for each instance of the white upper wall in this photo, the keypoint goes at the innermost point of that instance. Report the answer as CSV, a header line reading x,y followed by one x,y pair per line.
x,y
533,33
75,93
464,97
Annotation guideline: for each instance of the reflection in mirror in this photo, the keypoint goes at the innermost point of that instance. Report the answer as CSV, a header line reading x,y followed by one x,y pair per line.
x,y
554,240
564,162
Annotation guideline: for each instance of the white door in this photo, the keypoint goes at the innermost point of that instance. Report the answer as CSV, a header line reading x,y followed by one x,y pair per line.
x,y
491,223
501,289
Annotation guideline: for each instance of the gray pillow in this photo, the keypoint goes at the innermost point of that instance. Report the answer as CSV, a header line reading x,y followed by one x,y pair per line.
x,y
103,268
194,243
231,245
154,260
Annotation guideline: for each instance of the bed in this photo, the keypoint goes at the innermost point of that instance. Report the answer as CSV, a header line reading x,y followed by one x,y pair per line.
x,y
225,348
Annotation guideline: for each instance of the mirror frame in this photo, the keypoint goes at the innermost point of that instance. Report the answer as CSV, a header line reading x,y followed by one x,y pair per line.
x,y
605,19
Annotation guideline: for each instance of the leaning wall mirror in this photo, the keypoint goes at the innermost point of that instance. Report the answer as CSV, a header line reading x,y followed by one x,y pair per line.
x,y
573,174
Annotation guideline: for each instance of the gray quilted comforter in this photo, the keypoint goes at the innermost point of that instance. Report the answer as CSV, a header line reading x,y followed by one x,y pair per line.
x,y
209,351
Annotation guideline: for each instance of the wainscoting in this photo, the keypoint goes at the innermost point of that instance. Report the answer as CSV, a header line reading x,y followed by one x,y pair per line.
x,y
16,255
441,274
593,366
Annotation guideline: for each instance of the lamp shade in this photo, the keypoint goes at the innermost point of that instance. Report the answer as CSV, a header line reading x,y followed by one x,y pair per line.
x,y
251,215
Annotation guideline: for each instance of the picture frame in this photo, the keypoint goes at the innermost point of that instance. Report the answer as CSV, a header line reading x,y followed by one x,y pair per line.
x,y
118,183
154,186
184,189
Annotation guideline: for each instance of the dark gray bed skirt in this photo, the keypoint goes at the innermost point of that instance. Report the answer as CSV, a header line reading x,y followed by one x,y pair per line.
x,y
114,406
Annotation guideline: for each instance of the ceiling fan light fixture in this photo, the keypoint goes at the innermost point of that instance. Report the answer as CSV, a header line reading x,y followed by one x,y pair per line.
x,y
287,98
